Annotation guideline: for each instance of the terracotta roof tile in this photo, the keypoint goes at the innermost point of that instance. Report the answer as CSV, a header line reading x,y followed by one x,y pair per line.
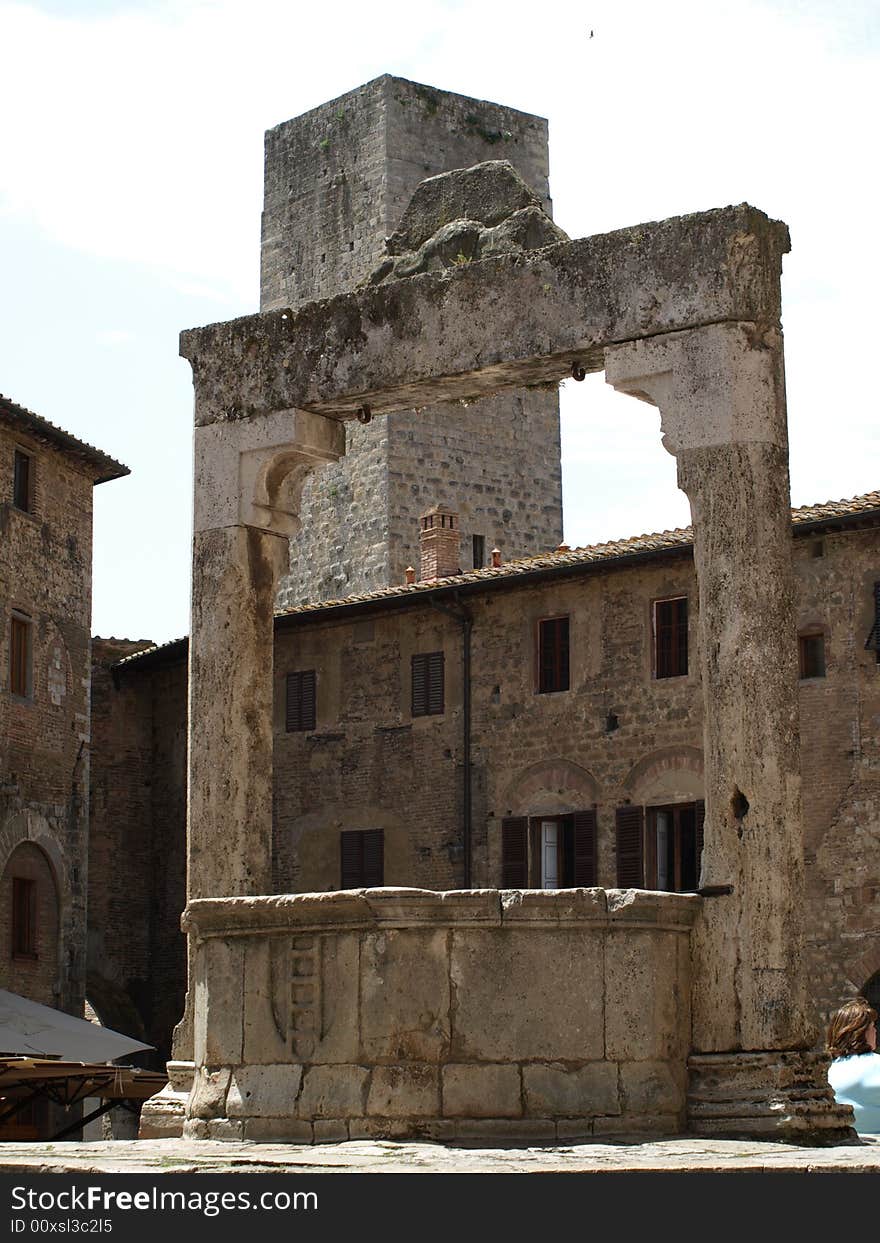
x,y
661,541
103,467
614,550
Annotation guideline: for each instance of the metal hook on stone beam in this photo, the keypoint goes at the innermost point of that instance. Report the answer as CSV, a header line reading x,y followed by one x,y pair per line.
x,y
364,414
578,372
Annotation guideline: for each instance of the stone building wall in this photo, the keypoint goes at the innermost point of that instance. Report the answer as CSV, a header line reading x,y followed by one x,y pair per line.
x,y
840,745
369,764
337,180
137,881
45,576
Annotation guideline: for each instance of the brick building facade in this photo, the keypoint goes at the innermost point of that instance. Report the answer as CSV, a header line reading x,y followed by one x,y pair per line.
x,y
46,481
583,760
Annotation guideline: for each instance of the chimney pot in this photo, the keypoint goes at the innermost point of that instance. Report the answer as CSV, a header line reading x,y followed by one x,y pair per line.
x,y
496,558
410,575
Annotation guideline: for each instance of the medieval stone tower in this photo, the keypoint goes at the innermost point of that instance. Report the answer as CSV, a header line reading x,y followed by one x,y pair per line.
x,y
337,180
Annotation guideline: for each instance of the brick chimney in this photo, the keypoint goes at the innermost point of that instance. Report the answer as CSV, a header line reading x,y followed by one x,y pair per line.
x,y
439,543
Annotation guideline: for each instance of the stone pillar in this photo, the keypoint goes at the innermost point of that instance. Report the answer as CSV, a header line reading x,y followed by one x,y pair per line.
x,y
248,480
721,393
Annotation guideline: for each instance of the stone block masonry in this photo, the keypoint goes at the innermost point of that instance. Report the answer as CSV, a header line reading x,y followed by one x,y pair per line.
x,y
337,181
479,1014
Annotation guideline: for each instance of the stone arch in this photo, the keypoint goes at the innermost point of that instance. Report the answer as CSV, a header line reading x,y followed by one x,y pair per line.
x,y
554,786
667,775
36,970
113,1006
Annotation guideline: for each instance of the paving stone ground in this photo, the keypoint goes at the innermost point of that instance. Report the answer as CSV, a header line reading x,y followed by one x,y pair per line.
x,y
380,1156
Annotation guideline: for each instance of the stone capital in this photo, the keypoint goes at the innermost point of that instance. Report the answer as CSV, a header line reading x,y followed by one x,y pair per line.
x,y
250,472
717,385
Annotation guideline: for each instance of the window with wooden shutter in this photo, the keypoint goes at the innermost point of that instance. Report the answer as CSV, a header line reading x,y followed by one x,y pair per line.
x,y
362,856
872,643
585,849
23,481
671,638
630,847
811,655
553,655
699,821
515,853
24,917
428,684
300,701
20,657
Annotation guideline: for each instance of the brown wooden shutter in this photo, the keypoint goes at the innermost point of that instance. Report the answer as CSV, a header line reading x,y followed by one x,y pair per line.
x,y
350,854
301,701
21,493
435,682
515,853
362,855
699,820
585,849
427,684
18,657
24,916
630,863
419,685
553,644
373,845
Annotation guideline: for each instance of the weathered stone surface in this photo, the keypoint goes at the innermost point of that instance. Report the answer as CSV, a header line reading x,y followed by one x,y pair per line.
x,y
652,1088
219,1002
408,1091
263,1091
335,1012
513,986
548,307
782,1095
482,1091
280,1130
551,1090
404,995
465,215
208,1096
648,1002
503,1130
330,1130
225,1128
267,999
486,193
333,1092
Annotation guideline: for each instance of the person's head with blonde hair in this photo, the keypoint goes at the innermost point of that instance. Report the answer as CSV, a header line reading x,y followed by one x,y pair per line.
x,y
852,1029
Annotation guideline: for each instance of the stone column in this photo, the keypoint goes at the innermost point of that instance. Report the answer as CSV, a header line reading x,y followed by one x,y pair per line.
x,y
248,480
721,393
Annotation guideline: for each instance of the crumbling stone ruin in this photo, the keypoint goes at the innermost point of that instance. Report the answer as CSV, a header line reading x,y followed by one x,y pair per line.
x,y
314,1015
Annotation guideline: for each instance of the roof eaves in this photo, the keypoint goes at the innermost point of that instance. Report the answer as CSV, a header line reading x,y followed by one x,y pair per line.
x,y
104,467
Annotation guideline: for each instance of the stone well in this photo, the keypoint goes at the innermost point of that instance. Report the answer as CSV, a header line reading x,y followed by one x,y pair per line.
x,y
404,1012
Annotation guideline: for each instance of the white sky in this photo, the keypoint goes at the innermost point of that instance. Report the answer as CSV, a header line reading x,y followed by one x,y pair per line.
x,y
131,187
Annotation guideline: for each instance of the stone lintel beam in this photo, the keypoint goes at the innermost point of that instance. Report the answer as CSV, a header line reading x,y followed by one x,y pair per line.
x,y
500,323
414,908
